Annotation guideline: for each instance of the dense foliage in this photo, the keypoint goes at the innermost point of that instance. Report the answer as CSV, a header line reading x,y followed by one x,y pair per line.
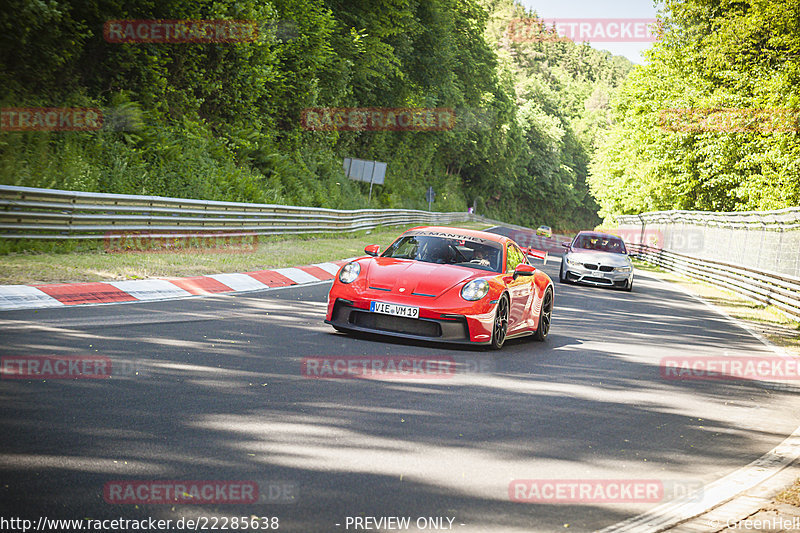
x,y
739,57
223,120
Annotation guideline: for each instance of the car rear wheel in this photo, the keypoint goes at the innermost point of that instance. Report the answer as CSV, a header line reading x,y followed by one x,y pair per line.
x,y
500,326
545,314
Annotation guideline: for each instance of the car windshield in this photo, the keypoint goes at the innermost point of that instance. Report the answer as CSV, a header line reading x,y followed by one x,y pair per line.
x,y
447,251
600,243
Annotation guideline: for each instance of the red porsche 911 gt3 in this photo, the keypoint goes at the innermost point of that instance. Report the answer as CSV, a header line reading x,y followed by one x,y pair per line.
x,y
444,284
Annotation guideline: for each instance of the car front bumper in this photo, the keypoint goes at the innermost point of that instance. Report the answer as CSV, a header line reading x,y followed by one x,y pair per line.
x,y
597,277
432,325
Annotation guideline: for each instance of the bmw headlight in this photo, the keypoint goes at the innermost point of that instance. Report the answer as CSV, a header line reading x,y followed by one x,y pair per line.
x,y
622,269
349,272
573,262
475,290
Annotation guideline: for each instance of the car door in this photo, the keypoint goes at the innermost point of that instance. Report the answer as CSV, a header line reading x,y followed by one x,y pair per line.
x,y
519,289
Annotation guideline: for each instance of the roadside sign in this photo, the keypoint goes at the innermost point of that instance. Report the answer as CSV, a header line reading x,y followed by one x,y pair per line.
x,y
371,172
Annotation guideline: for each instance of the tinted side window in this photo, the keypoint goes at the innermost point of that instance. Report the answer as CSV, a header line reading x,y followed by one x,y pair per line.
x,y
522,257
514,257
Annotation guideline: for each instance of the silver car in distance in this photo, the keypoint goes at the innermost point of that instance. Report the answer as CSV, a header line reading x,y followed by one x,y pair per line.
x,y
597,259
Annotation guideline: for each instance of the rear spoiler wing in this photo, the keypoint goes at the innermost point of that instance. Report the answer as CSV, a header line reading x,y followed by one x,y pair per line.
x,y
538,254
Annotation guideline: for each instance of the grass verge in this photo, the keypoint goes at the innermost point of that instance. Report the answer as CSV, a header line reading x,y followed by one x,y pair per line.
x,y
790,495
25,268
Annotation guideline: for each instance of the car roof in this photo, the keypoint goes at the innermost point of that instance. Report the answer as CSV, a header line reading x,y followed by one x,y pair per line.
x,y
460,231
598,234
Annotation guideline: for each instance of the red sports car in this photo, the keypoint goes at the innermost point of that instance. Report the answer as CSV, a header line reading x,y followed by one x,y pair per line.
x,y
444,284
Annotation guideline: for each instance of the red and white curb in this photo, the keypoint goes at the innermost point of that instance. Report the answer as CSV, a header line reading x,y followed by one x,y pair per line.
x,y
64,294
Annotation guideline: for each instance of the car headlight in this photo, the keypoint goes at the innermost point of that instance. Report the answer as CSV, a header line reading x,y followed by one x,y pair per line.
x,y
573,262
349,272
622,269
475,290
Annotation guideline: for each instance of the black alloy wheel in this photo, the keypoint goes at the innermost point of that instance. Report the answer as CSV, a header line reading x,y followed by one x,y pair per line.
x,y
545,314
500,326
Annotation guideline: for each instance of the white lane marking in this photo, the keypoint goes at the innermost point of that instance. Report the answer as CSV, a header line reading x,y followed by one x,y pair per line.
x,y
238,282
330,268
297,275
150,289
718,492
726,488
25,297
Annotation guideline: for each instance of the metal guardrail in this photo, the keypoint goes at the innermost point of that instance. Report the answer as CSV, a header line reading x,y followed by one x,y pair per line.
x,y
779,290
766,241
31,213
778,220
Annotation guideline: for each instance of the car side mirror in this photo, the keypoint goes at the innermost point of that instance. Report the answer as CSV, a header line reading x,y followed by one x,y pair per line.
x,y
373,249
565,244
524,269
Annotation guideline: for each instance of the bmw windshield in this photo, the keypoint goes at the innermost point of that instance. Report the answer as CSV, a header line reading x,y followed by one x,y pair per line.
x,y
600,243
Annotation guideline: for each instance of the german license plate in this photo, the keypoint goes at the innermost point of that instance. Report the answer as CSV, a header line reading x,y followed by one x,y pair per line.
x,y
394,309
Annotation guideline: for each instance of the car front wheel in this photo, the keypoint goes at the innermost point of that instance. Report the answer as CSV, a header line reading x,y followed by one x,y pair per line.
x,y
545,314
500,326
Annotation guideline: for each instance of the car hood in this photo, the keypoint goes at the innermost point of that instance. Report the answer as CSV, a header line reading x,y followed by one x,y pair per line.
x,y
416,277
600,258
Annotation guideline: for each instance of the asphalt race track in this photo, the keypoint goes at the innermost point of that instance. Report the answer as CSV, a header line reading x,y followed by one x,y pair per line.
x,y
213,389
